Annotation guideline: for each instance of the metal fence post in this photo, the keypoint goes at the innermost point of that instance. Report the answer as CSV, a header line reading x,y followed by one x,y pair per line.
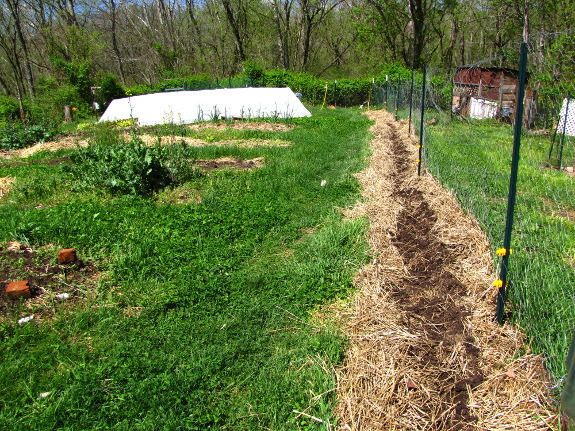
x,y
506,251
386,91
411,100
421,122
397,99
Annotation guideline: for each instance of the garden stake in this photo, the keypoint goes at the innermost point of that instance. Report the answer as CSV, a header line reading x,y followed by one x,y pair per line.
x,y
411,100
421,123
502,282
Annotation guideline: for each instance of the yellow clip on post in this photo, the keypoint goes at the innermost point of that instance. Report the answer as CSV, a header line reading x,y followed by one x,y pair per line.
x,y
498,283
417,160
502,252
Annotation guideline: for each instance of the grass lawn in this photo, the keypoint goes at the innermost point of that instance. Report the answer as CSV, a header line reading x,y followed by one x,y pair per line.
x,y
474,161
210,313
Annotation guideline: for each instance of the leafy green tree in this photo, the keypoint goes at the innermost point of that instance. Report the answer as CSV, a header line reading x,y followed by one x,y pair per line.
x,y
108,91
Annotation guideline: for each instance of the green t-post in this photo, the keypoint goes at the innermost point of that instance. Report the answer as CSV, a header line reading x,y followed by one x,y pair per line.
x,y
411,100
421,122
512,185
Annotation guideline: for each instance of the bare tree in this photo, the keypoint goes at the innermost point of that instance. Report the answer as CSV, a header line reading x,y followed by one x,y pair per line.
x,y
14,9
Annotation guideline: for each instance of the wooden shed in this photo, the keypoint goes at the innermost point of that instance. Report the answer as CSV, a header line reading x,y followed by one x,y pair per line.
x,y
489,92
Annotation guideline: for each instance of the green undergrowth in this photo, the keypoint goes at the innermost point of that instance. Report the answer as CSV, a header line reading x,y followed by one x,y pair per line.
x,y
474,159
207,317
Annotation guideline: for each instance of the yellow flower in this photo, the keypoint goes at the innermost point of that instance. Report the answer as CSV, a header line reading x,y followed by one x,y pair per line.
x,y
74,108
417,160
498,283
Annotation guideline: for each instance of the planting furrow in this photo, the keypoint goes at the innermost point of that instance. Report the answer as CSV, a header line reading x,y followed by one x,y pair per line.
x,y
425,352
430,297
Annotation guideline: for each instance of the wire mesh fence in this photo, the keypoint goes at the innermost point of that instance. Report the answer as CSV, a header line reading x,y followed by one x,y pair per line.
x,y
472,157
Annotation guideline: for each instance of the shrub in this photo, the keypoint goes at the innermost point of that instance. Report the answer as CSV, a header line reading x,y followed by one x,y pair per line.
x,y
139,89
108,91
255,74
52,97
14,136
129,167
9,109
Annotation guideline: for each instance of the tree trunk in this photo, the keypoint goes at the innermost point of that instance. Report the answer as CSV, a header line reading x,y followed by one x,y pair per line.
x,y
14,6
115,46
233,20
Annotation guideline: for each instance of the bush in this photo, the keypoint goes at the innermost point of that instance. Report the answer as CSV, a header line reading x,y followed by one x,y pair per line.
x,y
139,89
129,167
108,91
51,98
254,73
9,109
14,136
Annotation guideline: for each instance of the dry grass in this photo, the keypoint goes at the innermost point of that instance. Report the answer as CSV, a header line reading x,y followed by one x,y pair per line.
x,y
5,185
383,385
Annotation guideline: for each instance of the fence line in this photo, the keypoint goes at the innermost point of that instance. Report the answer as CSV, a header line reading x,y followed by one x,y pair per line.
x,y
472,158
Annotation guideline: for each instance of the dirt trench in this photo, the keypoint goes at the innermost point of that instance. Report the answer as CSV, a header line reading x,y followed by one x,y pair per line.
x,y
425,353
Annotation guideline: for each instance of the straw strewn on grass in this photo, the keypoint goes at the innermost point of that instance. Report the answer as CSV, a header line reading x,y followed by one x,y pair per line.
x,y
5,185
382,384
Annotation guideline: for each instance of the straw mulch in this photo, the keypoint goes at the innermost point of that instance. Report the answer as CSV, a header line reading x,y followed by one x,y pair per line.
x,y
425,352
243,125
66,142
5,185
76,141
194,142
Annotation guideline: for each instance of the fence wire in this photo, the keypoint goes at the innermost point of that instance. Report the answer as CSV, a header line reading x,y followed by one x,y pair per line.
x,y
472,158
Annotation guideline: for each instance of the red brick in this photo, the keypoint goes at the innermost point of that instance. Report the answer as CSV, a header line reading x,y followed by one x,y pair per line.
x,y
18,289
67,255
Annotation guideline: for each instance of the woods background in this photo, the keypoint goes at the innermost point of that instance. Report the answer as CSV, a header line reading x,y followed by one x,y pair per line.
x,y
59,48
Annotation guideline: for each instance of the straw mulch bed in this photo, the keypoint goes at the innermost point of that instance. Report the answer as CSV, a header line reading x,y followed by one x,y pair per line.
x,y
66,142
194,142
243,125
425,352
76,141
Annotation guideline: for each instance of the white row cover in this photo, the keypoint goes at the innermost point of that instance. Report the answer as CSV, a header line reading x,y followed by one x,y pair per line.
x,y
183,107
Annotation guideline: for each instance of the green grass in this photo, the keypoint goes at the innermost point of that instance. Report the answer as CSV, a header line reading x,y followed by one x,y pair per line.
x,y
206,317
474,160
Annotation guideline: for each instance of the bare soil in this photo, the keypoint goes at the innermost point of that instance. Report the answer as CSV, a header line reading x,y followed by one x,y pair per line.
x,y
46,278
230,163
425,352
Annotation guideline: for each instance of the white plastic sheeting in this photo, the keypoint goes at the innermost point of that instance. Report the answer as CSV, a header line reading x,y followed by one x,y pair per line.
x,y
567,122
481,108
183,107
